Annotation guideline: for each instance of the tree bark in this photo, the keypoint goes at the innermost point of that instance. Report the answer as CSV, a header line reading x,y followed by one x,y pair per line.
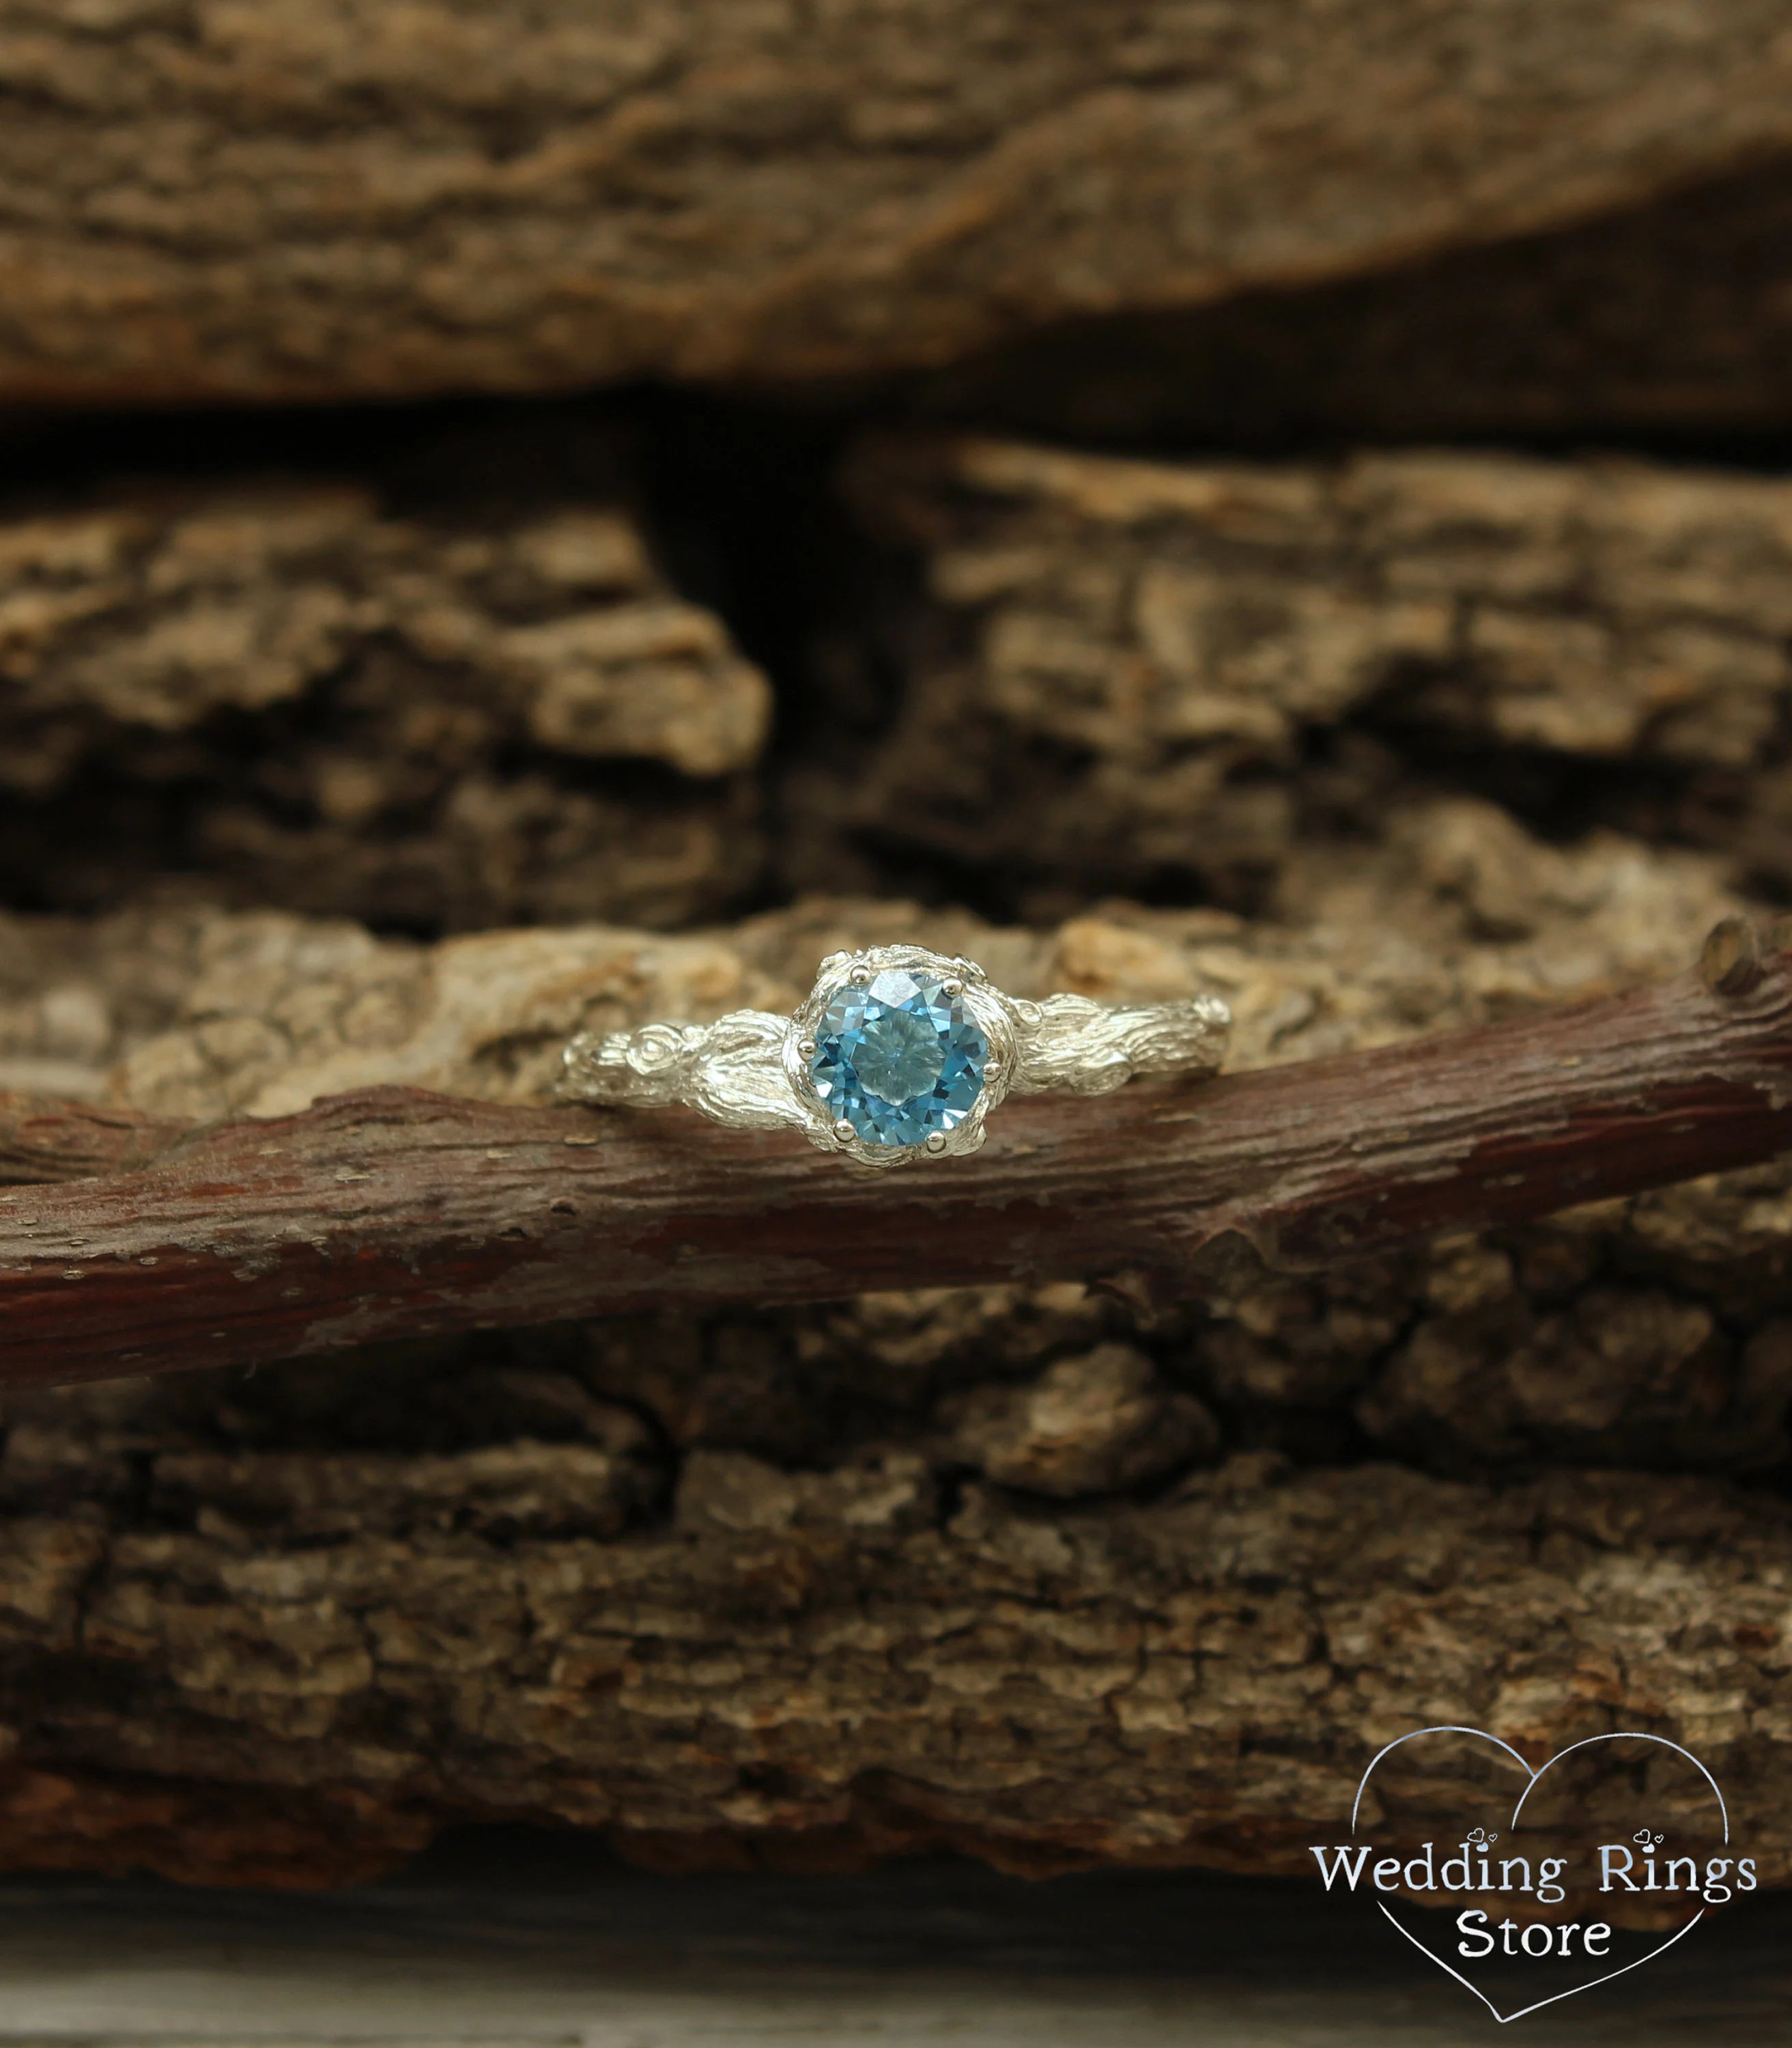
x,y
289,694
1671,317
646,1477
395,1214
1137,674
276,202
292,1666
42,1139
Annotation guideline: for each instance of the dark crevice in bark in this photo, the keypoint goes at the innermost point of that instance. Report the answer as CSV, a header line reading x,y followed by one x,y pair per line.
x,y
1661,328
742,501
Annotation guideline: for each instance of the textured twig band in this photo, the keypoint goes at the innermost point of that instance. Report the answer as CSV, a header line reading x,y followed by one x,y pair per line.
x,y
898,1053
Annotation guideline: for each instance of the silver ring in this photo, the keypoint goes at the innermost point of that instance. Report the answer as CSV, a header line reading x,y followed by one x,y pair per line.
x,y
897,1053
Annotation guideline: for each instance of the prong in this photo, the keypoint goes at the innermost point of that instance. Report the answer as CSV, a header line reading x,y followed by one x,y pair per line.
x,y
860,976
806,1047
954,988
935,1141
844,1131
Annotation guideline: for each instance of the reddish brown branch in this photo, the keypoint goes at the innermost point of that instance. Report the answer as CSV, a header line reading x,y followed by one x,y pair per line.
x,y
45,1140
392,1213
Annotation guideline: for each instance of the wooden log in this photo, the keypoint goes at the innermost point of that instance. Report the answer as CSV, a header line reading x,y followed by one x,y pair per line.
x,y
1123,672
393,1212
278,1658
275,200
290,694
1668,318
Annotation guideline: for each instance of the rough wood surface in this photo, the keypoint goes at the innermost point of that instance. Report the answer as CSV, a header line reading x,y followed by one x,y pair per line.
x,y
1174,677
1456,916
289,694
232,1660
275,200
1668,319
1648,1332
1049,1570
44,1139
951,1567
1133,672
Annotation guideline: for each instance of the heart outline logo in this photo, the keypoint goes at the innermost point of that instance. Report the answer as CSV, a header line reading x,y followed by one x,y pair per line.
x,y
1531,1780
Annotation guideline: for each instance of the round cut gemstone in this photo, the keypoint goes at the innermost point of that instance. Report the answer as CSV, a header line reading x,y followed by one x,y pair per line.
x,y
898,1059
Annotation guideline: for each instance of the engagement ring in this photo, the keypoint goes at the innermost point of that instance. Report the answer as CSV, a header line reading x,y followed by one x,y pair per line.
x,y
898,1053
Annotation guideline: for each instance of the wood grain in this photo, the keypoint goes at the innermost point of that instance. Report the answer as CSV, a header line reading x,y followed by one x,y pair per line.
x,y
45,1139
278,199
393,1212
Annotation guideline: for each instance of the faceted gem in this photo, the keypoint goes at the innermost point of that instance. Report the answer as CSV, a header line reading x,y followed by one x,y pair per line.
x,y
899,1059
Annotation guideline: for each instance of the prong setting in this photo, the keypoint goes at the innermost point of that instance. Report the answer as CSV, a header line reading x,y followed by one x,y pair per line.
x,y
985,1012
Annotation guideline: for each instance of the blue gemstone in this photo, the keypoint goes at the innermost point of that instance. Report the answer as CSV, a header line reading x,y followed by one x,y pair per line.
x,y
900,1059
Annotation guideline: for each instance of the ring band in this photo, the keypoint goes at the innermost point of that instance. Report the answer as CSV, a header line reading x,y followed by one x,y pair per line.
x,y
897,1053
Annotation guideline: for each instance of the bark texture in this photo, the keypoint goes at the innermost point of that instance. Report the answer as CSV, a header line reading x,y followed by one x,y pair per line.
x,y
1121,675
1151,673
1459,918
1047,1574
235,1659
278,200
1670,318
287,695
1051,1571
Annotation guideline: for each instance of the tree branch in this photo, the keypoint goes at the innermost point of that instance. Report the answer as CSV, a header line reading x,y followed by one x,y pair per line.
x,y
45,1139
392,1213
